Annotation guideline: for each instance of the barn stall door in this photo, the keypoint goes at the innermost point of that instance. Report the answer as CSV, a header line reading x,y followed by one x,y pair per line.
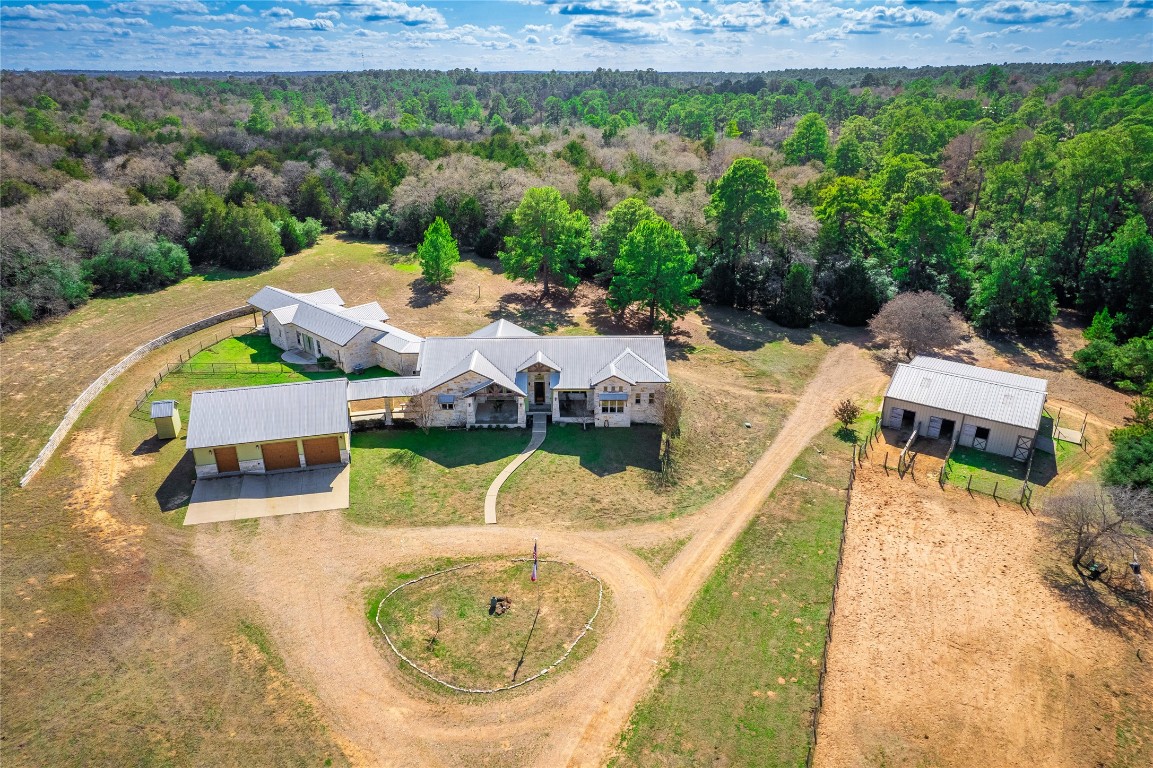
x,y
321,450
934,427
967,433
1024,444
895,417
226,460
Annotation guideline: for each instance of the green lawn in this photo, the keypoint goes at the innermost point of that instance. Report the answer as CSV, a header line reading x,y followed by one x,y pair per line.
x,y
257,348
741,681
405,477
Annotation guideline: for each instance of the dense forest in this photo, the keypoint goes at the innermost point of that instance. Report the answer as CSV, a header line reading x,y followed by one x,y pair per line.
x,y
1011,190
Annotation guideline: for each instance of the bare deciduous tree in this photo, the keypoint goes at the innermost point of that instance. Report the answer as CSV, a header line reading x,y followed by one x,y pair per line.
x,y
1101,525
421,409
672,406
917,322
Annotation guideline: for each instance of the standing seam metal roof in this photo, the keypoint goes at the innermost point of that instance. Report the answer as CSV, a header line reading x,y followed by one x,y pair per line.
x,y
267,413
998,396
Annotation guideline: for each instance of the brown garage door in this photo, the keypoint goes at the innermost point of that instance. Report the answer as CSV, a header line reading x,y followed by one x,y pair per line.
x,y
321,450
280,456
226,460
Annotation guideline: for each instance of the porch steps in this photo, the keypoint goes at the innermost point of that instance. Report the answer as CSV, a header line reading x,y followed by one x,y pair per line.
x,y
539,431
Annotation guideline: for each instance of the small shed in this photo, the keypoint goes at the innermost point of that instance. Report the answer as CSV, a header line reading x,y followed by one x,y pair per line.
x,y
979,408
268,428
166,417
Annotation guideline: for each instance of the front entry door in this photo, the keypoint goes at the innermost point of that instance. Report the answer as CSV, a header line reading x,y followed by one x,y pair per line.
x,y
1023,445
538,393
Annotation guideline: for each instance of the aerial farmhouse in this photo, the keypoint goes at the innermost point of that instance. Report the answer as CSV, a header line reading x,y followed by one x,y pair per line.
x,y
978,408
498,376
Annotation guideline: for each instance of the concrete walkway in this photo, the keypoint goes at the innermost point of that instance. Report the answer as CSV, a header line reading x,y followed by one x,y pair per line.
x,y
539,430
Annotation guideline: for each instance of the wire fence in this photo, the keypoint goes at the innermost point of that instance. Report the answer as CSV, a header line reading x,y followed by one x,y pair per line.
x,y
183,364
833,609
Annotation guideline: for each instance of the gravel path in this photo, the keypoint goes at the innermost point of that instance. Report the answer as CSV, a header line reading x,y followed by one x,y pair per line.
x,y
312,598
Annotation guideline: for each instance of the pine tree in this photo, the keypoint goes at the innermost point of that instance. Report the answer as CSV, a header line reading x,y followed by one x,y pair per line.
x,y
795,309
549,241
655,269
438,254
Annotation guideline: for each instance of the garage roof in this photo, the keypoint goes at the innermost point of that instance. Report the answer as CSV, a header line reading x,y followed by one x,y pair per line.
x,y
271,412
999,396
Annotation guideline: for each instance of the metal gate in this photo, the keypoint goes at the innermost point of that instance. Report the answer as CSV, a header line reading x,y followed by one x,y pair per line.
x,y
1024,444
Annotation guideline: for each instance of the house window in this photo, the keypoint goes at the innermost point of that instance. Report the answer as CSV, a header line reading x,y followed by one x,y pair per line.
x,y
612,406
447,406
652,398
638,399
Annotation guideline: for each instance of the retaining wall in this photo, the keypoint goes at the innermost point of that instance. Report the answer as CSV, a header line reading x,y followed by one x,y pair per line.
x,y
95,388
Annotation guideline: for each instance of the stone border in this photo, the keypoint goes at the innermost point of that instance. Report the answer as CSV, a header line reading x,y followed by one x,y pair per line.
x,y
588,625
95,388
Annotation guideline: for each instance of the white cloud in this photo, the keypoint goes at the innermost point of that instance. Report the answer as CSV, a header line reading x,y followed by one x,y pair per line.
x,y
532,40
1026,12
320,25
560,40
147,7
387,10
278,12
333,15
960,36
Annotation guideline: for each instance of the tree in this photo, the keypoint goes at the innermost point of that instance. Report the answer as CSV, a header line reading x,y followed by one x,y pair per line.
x,y
1013,295
1101,525
746,207
858,290
916,323
931,247
549,241
655,269
314,201
1118,276
847,412
438,254
848,213
136,261
420,409
795,309
619,222
848,157
1131,461
249,240
258,121
672,404
810,140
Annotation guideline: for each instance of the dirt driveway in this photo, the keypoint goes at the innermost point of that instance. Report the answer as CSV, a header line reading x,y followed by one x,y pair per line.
x,y
312,597
951,647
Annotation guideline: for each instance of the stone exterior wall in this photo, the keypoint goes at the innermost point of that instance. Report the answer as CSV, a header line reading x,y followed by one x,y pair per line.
x,y
459,415
622,419
646,412
404,364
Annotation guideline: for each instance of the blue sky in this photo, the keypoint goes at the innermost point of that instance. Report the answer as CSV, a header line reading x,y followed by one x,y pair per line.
x,y
187,35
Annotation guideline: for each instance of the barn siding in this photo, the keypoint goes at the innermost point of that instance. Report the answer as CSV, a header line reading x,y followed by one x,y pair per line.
x,y
1002,437
252,460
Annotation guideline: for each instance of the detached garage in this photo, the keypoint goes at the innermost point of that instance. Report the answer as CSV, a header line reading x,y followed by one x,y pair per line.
x,y
979,408
269,428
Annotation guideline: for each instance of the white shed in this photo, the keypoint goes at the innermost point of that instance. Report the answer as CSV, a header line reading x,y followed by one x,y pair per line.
x,y
979,408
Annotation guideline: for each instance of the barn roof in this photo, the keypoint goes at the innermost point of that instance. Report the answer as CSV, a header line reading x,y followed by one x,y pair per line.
x,y
270,412
1008,398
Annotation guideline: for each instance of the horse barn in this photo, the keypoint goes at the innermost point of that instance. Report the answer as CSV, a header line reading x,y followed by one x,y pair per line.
x,y
978,408
269,428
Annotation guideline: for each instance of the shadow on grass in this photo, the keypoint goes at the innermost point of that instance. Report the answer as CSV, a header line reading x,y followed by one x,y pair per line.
x,y
537,313
745,331
847,435
448,449
151,445
176,490
605,452
425,295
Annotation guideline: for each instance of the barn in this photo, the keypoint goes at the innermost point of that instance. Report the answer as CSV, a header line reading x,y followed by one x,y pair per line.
x,y
978,408
268,428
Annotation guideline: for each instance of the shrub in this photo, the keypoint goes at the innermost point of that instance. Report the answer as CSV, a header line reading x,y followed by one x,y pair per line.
x,y
136,261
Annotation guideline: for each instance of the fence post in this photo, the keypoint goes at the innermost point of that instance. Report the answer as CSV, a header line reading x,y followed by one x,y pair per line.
x,y
969,485
995,484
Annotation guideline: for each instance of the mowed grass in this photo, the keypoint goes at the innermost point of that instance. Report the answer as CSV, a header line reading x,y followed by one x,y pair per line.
x,y
474,649
740,681
407,477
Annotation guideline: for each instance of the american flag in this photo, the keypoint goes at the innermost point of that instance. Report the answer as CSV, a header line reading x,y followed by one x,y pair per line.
x,y
534,561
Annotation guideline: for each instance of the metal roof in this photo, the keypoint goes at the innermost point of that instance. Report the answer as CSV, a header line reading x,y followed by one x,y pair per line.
x,y
162,409
475,362
1007,398
502,329
581,358
267,413
614,395
384,386
323,314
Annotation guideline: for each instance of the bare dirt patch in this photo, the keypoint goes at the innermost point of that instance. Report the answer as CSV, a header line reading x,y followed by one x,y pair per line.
x,y
951,649
91,500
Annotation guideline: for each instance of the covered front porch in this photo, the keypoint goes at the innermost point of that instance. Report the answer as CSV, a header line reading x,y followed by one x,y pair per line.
x,y
495,406
574,405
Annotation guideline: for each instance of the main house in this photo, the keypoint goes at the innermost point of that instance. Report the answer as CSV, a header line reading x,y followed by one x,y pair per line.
x,y
497,376
975,407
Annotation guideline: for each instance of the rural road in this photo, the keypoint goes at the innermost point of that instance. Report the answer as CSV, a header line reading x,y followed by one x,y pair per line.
x,y
312,598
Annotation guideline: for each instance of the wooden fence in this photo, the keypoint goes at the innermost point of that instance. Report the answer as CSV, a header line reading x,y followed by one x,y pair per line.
x,y
832,613
904,466
183,364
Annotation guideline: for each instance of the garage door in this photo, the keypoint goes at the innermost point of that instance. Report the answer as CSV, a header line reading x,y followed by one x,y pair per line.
x,y
226,460
280,456
321,450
